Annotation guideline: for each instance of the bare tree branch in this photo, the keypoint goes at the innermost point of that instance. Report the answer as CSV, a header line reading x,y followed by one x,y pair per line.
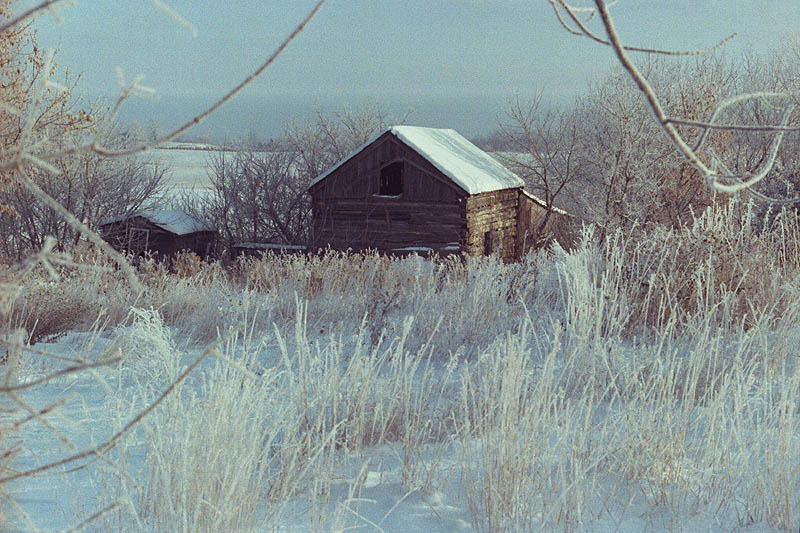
x,y
98,148
584,31
29,184
110,443
69,370
710,174
739,127
709,124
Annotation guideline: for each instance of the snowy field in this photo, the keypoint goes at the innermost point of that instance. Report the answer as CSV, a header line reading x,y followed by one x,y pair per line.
x,y
425,487
188,166
357,393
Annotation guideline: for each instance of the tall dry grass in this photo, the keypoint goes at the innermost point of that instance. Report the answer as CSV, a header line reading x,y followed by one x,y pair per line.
x,y
656,370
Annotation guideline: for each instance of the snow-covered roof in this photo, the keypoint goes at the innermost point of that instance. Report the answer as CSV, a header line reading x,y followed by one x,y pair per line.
x,y
173,221
424,249
269,246
468,166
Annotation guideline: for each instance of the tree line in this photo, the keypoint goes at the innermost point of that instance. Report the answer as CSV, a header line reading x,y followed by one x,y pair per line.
x,y
38,109
602,157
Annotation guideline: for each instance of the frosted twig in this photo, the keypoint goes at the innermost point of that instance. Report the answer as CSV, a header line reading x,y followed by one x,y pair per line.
x,y
751,191
47,258
737,127
584,31
590,10
46,5
176,16
22,269
110,443
41,412
564,22
38,90
647,90
95,516
727,102
35,161
773,154
42,420
63,372
79,226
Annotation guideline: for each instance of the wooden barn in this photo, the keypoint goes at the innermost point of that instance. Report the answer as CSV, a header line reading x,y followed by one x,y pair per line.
x,y
165,232
421,189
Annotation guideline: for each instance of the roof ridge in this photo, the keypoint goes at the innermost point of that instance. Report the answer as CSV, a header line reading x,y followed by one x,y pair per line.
x,y
469,167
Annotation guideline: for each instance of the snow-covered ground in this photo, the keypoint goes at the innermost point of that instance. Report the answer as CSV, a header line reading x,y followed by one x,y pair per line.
x,y
352,392
100,402
369,489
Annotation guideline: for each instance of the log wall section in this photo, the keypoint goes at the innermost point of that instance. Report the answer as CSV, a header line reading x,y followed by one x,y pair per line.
x,y
494,213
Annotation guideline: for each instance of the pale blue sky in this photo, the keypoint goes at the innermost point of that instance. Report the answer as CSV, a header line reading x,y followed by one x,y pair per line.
x,y
401,53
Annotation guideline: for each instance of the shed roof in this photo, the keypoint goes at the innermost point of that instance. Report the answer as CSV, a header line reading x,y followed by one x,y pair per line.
x,y
465,164
173,221
544,204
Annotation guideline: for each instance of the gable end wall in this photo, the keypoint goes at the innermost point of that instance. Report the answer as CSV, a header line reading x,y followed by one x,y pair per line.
x,y
348,214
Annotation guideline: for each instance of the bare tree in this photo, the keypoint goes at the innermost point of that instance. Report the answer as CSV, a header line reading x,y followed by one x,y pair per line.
x,y
321,142
89,186
616,142
608,160
632,171
29,149
19,158
259,195
692,138
543,149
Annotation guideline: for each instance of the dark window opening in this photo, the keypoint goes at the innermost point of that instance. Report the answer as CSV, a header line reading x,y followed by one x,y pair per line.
x,y
391,179
488,243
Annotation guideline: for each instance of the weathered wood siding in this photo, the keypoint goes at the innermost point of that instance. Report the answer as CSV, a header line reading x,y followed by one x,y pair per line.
x,y
385,224
493,213
359,177
349,213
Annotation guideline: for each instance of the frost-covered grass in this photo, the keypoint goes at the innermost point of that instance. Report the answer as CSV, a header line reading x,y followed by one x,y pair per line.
x,y
646,384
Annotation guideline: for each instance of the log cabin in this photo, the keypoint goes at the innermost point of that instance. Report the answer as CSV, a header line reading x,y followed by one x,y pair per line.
x,y
423,190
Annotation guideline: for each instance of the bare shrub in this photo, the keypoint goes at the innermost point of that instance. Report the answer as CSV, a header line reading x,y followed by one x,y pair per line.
x,y
187,264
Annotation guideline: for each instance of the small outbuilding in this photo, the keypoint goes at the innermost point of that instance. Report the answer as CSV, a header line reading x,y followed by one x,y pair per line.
x,y
535,228
412,187
164,232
